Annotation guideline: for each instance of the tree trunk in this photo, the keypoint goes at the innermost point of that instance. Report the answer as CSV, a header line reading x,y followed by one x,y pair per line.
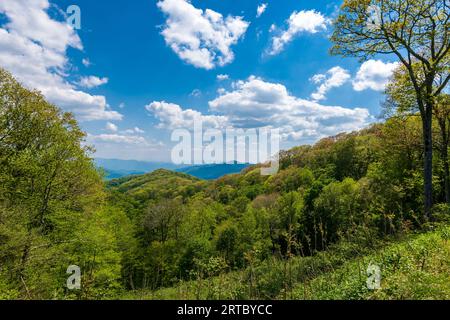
x,y
446,175
428,162
444,159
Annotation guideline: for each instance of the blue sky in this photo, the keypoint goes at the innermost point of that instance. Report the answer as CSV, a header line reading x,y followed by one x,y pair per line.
x,y
138,69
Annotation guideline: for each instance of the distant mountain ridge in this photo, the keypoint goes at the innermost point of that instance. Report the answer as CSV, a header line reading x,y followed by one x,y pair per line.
x,y
115,168
213,171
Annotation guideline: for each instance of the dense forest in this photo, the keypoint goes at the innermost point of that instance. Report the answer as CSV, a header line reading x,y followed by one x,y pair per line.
x,y
349,193
380,195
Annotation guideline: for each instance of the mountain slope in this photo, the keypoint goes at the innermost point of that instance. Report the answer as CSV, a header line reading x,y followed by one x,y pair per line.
x,y
160,183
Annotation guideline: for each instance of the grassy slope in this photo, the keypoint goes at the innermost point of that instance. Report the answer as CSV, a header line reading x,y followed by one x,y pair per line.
x,y
417,267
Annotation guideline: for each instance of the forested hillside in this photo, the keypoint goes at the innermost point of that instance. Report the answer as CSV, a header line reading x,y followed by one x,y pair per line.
x,y
345,197
414,267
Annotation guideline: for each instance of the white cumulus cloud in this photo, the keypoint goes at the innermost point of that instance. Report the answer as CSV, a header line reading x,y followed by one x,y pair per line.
x,y
172,116
202,38
374,75
309,21
257,103
334,78
33,48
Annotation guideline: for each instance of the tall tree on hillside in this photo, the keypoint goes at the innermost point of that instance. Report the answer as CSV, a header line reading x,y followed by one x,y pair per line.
x,y
443,118
401,98
49,190
415,31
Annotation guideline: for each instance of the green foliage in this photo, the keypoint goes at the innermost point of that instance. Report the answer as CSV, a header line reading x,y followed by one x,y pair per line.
x,y
337,209
416,269
52,208
240,236
290,179
353,187
413,267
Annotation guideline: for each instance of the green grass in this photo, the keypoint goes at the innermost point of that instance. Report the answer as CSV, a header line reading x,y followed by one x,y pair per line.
x,y
415,267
